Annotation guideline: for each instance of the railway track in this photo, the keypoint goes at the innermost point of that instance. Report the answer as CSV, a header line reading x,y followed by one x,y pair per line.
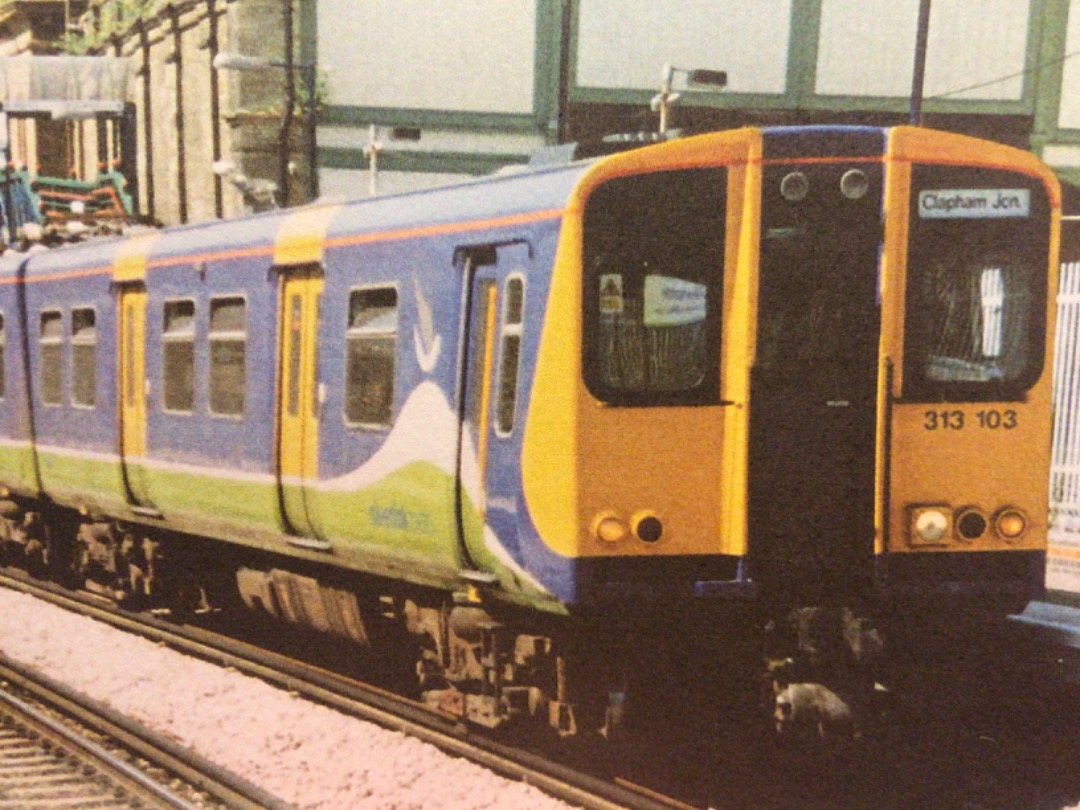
x,y
47,762
360,700
970,746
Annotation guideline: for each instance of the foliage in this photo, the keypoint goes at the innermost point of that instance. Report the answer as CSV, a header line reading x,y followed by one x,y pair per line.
x,y
104,21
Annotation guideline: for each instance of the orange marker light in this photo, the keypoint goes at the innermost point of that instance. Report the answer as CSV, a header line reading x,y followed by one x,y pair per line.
x,y
1010,524
609,528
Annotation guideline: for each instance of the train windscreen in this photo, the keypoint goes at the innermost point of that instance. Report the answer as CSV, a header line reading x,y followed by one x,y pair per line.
x,y
976,284
654,259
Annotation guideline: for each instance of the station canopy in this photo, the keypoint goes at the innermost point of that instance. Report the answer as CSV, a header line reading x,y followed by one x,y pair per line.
x,y
64,86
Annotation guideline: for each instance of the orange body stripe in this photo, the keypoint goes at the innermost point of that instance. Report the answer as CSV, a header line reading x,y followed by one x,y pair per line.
x,y
338,241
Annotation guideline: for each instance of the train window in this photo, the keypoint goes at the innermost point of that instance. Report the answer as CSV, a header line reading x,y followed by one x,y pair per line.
x,y
654,260
52,345
509,354
294,352
83,357
481,321
228,355
976,293
371,348
178,356
3,366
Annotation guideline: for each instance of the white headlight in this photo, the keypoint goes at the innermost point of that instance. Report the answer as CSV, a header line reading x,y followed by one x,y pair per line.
x,y
930,526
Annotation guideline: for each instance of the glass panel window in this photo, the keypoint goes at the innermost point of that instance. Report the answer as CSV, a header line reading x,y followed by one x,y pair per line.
x,y
481,322
52,347
976,290
654,264
975,320
296,311
228,355
370,348
178,356
83,357
131,312
509,355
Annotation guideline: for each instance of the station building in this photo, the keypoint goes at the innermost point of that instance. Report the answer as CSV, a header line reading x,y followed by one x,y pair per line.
x,y
434,91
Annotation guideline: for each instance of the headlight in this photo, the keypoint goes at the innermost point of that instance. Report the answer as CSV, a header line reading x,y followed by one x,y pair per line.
x,y
794,187
854,184
929,525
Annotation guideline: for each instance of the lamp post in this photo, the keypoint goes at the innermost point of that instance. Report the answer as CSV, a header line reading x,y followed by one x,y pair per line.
x,y
663,101
309,74
918,73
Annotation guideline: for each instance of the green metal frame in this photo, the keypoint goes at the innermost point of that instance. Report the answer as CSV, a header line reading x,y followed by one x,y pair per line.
x,y
800,93
1047,131
543,119
429,162
1040,96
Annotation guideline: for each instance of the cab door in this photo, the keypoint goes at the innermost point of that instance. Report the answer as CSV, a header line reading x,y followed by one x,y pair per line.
x,y
132,377
298,399
488,478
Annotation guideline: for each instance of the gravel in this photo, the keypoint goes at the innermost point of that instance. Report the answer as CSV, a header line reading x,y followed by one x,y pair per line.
x,y
306,754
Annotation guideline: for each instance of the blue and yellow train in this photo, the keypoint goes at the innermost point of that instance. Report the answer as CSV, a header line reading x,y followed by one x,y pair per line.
x,y
526,418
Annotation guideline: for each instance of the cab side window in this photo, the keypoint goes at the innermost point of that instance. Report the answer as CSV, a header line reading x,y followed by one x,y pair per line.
x,y
509,354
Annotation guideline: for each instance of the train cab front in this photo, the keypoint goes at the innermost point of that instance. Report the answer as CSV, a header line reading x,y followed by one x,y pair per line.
x,y
801,365
795,379
969,271
636,423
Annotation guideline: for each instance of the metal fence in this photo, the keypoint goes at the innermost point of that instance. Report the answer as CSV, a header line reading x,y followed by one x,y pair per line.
x,y
1063,563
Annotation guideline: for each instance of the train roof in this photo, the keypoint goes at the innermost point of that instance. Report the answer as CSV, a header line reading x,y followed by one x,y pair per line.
x,y
476,200
544,186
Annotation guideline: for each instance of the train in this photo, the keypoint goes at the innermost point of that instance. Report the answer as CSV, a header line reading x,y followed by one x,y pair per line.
x,y
540,427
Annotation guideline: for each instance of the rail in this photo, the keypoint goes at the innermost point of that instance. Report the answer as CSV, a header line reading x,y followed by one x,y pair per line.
x,y
362,701
122,780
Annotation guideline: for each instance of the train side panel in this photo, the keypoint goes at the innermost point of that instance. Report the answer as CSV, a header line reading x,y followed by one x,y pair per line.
x,y
408,332
71,342
210,358
634,464
18,468
341,438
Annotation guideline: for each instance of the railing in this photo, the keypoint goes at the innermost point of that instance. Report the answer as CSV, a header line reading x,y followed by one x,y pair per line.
x,y
1063,564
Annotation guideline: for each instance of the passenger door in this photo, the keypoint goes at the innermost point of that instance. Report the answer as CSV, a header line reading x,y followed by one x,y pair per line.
x,y
814,393
131,355
298,398
488,480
